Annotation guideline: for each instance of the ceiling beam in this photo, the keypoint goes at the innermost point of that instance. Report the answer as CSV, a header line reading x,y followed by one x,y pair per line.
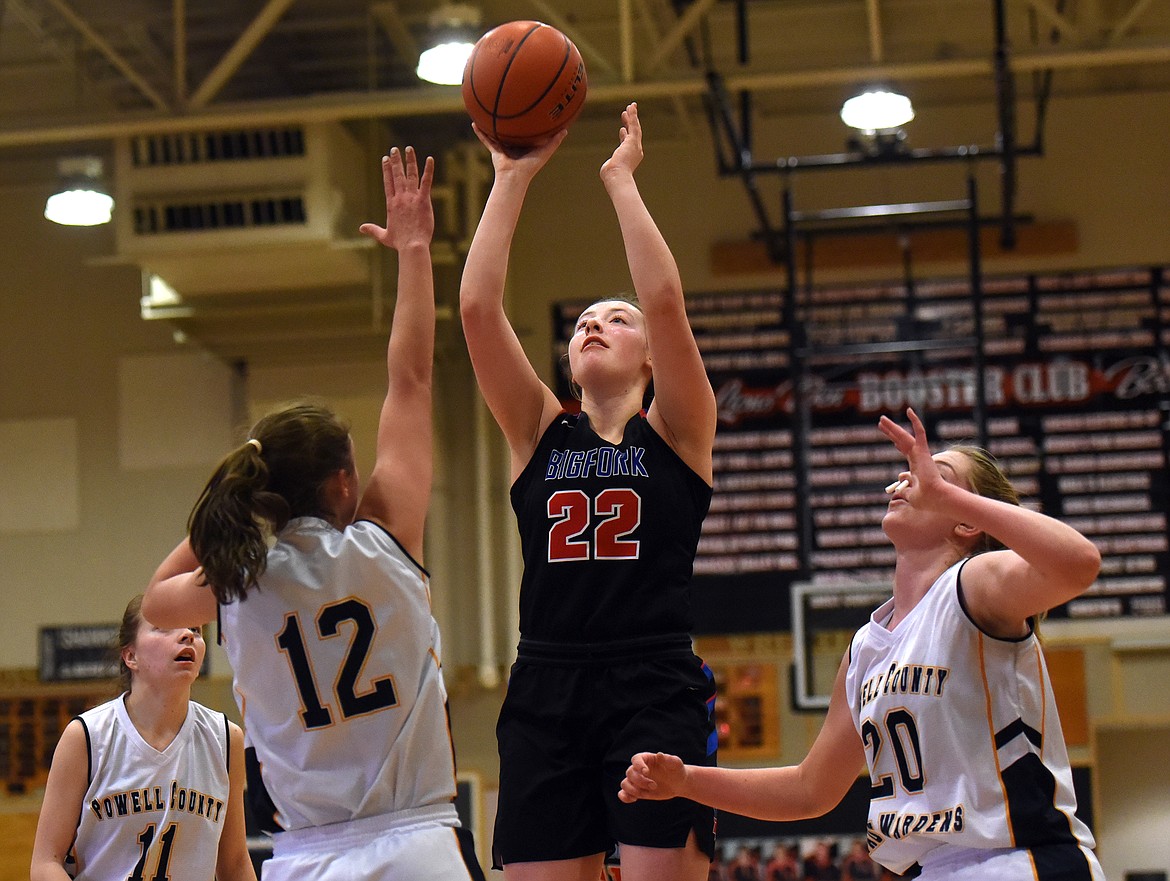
x,y
873,15
1128,21
588,51
418,101
179,39
253,34
1049,13
111,54
686,23
626,39
390,20
650,28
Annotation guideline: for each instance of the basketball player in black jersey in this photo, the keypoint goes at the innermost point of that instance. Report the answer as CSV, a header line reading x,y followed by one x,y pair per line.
x,y
609,505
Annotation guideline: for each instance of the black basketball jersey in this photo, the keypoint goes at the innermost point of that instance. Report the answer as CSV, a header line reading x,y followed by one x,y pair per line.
x,y
608,534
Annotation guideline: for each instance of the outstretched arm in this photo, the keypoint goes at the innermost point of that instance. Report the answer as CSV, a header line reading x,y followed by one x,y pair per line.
x,y
683,411
520,402
399,489
177,595
796,792
1046,562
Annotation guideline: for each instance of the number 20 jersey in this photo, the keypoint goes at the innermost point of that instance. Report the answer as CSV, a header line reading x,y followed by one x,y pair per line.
x,y
608,533
963,742
336,662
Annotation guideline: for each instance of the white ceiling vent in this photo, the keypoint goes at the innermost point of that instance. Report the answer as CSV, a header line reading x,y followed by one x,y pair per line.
x,y
243,210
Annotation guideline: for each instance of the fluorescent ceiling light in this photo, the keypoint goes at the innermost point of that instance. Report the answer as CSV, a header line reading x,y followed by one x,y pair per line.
x,y
454,30
877,110
444,63
82,200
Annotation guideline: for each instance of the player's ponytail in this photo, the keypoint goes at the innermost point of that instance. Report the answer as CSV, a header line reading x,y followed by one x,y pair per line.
x,y
127,636
227,524
278,474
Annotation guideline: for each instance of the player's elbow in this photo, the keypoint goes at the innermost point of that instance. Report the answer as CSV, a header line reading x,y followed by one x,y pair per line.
x,y
158,610
159,616
483,319
410,381
475,309
152,608
662,297
819,802
1084,565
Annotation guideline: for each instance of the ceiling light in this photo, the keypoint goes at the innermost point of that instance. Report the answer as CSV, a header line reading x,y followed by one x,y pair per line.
x,y
161,293
82,199
160,300
454,30
877,110
444,63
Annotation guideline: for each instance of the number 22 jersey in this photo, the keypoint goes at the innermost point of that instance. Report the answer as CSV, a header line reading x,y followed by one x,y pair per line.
x,y
608,533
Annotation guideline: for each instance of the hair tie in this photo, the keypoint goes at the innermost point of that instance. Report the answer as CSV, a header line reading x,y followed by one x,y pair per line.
x,y
257,445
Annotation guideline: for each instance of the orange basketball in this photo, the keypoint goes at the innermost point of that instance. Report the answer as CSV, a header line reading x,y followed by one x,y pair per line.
x,y
524,82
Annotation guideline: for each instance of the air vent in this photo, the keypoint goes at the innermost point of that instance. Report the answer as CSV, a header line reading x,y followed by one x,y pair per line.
x,y
283,202
162,216
224,146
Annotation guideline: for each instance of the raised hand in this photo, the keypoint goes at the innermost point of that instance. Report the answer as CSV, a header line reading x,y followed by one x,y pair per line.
x,y
655,776
526,161
410,217
628,154
916,484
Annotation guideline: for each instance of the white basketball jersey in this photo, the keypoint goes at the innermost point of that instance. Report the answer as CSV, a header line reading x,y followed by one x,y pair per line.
x,y
336,662
150,814
963,741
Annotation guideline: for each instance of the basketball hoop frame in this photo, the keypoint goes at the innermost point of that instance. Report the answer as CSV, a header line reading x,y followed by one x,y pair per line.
x,y
848,606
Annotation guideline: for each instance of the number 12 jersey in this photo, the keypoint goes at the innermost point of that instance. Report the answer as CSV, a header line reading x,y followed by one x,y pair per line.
x,y
336,661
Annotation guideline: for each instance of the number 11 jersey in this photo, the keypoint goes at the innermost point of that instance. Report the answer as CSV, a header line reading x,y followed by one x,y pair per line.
x,y
152,813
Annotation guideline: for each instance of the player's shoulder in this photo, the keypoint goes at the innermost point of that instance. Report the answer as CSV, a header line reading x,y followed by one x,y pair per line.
x,y
75,733
563,423
101,714
214,727
369,535
202,711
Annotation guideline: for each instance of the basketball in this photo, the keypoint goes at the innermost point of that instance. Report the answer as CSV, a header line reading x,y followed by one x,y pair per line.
x,y
524,82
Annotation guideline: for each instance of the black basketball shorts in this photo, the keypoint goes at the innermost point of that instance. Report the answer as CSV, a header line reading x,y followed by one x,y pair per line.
x,y
571,720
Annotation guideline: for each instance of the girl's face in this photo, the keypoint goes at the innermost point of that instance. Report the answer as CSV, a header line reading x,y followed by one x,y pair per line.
x,y
920,525
164,656
610,337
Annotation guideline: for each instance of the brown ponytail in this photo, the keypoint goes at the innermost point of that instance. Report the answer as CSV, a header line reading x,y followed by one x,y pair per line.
x,y
127,636
261,485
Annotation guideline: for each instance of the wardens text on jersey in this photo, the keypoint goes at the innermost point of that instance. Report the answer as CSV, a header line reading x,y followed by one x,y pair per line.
x,y
896,826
